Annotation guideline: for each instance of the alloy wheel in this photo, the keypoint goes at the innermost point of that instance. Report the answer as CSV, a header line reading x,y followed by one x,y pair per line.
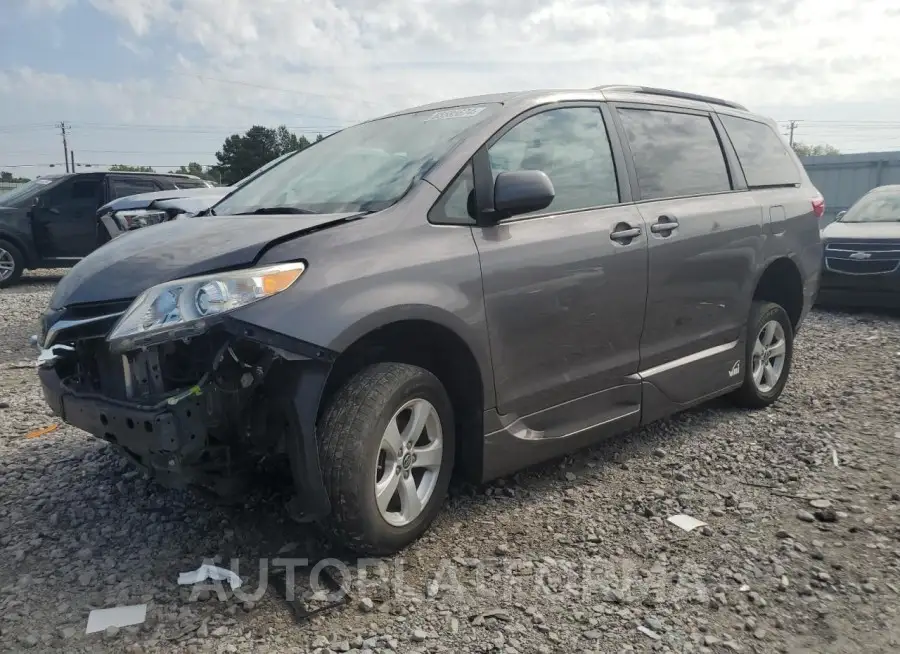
x,y
769,355
409,462
7,265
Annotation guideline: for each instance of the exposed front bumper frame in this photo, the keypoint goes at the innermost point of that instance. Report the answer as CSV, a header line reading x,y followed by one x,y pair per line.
x,y
167,441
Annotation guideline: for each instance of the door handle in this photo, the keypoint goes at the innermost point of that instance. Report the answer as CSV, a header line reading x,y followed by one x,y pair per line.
x,y
664,225
625,233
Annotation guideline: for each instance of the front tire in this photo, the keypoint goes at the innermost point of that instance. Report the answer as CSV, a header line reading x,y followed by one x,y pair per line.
x,y
387,452
12,264
768,355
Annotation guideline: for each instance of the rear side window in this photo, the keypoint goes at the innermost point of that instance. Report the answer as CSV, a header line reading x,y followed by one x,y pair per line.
x,y
675,154
187,183
123,186
763,155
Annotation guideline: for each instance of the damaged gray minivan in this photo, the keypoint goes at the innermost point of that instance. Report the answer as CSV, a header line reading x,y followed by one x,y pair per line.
x,y
468,287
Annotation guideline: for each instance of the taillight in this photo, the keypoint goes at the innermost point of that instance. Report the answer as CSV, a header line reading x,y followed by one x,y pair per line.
x,y
818,206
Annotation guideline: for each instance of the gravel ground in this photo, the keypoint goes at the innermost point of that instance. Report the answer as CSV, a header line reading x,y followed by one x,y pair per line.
x,y
799,555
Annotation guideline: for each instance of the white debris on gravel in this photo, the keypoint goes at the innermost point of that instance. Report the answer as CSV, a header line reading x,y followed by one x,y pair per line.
x,y
574,556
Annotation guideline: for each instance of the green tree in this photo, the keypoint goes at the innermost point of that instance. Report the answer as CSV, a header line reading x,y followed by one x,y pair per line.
x,y
804,150
9,177
242,155
125,168
195,169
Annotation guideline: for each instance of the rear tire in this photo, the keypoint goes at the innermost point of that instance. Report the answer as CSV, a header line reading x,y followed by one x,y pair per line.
x,y
386,480
12,264
767,358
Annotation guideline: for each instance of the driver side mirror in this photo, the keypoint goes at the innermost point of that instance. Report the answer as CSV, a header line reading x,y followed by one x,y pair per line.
x,y
522,191
839,215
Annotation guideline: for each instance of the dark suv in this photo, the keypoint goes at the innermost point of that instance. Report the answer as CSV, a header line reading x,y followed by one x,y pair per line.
x,y
472,286
51,221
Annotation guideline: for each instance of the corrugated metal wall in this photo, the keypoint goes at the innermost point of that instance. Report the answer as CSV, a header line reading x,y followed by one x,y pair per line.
x,y
844,178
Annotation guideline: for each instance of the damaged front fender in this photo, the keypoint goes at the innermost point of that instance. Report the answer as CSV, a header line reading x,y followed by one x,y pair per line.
x,y
301,384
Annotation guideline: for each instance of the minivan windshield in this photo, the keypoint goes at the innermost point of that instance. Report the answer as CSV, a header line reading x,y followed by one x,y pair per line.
x,y
367,167
877,207
26,190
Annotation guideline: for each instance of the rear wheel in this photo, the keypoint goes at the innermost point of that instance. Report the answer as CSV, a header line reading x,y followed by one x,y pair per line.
x,y
387,451
768,355
12,264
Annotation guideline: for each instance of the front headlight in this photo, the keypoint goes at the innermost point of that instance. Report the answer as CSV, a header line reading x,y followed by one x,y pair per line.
x,y
186,307
137,218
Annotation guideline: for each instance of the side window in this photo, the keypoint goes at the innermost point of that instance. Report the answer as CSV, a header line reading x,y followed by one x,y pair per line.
x,y
570,145
675,154
186,183
763,155
122,186
457,205
74,193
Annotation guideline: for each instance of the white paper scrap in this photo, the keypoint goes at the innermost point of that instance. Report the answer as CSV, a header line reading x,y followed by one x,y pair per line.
x,y
205,572
686,522
119,616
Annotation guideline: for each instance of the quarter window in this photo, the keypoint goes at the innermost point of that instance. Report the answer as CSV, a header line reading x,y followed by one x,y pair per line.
x,y
572,147
763,155
457,205
675,154
132,186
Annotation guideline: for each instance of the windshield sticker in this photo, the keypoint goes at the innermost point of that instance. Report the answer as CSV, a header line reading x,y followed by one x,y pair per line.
x,y
447,114
42,181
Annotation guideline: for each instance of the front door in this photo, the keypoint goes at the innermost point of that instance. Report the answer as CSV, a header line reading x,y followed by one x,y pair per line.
x,y
705,243
64,220
565,288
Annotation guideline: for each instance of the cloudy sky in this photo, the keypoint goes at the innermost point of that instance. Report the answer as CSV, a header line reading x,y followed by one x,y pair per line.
x,y
163,82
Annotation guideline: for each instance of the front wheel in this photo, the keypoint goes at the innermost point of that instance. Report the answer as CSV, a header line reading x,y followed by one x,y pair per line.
x,y
387,450
12,263
768,355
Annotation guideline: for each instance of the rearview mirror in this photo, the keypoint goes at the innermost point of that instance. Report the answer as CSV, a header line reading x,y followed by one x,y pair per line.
x,y
840,215
522,191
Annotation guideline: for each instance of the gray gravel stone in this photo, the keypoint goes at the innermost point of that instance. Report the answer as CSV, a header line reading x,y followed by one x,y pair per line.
x,y
70,503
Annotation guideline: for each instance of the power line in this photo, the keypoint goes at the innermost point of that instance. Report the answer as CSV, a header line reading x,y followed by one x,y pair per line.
x,y
181,129
99,165
845,122
263,87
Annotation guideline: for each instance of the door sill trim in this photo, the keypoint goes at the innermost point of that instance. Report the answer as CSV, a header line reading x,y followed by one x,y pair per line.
x,y
683,361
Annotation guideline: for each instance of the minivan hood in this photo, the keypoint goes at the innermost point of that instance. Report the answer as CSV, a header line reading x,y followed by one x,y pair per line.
x,y
874,231
126,266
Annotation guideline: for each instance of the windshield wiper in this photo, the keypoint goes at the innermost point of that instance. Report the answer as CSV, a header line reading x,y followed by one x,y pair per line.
x,y
259,211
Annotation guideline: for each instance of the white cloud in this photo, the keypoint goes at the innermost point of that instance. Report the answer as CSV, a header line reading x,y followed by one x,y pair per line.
x,y
38,6
336,61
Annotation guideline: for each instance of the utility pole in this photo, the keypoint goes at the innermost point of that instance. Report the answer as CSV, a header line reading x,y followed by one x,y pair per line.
x,y
792,127
62,126
72,156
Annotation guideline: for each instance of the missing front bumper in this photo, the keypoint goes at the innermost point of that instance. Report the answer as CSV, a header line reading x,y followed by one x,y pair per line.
x,y
212,437
171,443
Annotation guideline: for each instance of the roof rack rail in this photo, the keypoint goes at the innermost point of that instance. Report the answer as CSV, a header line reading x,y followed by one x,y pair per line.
x,y
649,90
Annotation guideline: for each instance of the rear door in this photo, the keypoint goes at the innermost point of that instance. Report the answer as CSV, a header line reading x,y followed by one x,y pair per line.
x,y
564,288
64,220
704,248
